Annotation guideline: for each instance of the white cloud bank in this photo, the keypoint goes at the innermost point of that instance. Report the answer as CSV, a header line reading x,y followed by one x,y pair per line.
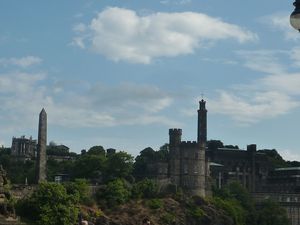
x,y
175,2
95,105
21,62
276,93
281,22
122,35
252,109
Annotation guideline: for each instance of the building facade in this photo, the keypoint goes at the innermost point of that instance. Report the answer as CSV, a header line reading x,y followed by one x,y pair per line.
x,y
23,147
248,167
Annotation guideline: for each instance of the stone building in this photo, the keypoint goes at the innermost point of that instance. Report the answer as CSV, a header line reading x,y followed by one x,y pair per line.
x,y
23,147
283,180
248,167
187,165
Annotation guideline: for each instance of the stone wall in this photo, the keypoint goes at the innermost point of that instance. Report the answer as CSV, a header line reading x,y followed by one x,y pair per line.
x,y
291,202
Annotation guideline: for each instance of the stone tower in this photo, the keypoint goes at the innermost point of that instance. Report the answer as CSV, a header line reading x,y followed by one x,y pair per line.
x,y
41,148
187,165
202,122
192,177
174,148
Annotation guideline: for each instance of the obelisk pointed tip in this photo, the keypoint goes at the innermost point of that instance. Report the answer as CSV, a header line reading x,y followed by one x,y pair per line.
x,y
43,111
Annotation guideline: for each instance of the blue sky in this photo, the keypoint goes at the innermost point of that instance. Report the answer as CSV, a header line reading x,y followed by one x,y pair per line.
x,y
121,73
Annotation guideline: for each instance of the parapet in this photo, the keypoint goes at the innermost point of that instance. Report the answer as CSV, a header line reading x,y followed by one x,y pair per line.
x,y
175,131
251,148
190,144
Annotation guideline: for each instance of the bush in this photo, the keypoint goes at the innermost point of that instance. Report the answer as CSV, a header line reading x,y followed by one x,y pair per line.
x,y
155,203
272,214
49,205
196,213
145,189
235,191
167,218
81,189
115,193
232,208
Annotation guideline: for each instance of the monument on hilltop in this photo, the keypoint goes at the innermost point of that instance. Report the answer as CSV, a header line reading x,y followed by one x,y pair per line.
x,y
187,159
41,148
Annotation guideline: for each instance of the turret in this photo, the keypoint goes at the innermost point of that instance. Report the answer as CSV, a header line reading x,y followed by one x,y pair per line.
x,y
174,149
175,137
202,122
251,149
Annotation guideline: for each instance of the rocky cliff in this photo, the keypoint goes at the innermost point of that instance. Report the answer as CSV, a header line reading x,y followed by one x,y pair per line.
x,y
195,211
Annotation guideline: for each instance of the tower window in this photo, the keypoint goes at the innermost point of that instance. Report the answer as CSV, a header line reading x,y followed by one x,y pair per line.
x,y
185,169
195,169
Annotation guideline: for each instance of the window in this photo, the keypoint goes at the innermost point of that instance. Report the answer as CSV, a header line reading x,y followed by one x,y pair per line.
x,y
185,169
195,169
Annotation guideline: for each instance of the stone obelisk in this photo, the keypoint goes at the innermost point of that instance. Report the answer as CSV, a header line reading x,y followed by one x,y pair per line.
x,y
41,148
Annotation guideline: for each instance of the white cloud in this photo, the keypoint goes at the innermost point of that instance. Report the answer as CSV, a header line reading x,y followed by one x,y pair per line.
x,y
281,22
175,2
295,56
79,42
275,93
220,61
122,35
253,108
264,61
285,83
80,27
289,155
184,2
93,106
21,62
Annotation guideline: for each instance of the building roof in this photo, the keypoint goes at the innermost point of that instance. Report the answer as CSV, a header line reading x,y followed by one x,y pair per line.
x,y
215,164
287,168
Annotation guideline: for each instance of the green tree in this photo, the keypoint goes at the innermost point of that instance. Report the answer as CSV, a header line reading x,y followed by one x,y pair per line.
x,y
80,188
237,193
18,171
145,189
214,144
96,150
50,205
147,157
89,166
115,193
232,208
272,214
274,158
119,165
231,146
163,153
56,167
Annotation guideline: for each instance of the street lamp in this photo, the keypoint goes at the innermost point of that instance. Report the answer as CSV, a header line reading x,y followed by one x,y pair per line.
x,y
295,16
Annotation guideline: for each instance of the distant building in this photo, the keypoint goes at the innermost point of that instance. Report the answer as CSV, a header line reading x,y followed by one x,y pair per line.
x,y
62,177
24,147
248,167
59,153
283,180
110,151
